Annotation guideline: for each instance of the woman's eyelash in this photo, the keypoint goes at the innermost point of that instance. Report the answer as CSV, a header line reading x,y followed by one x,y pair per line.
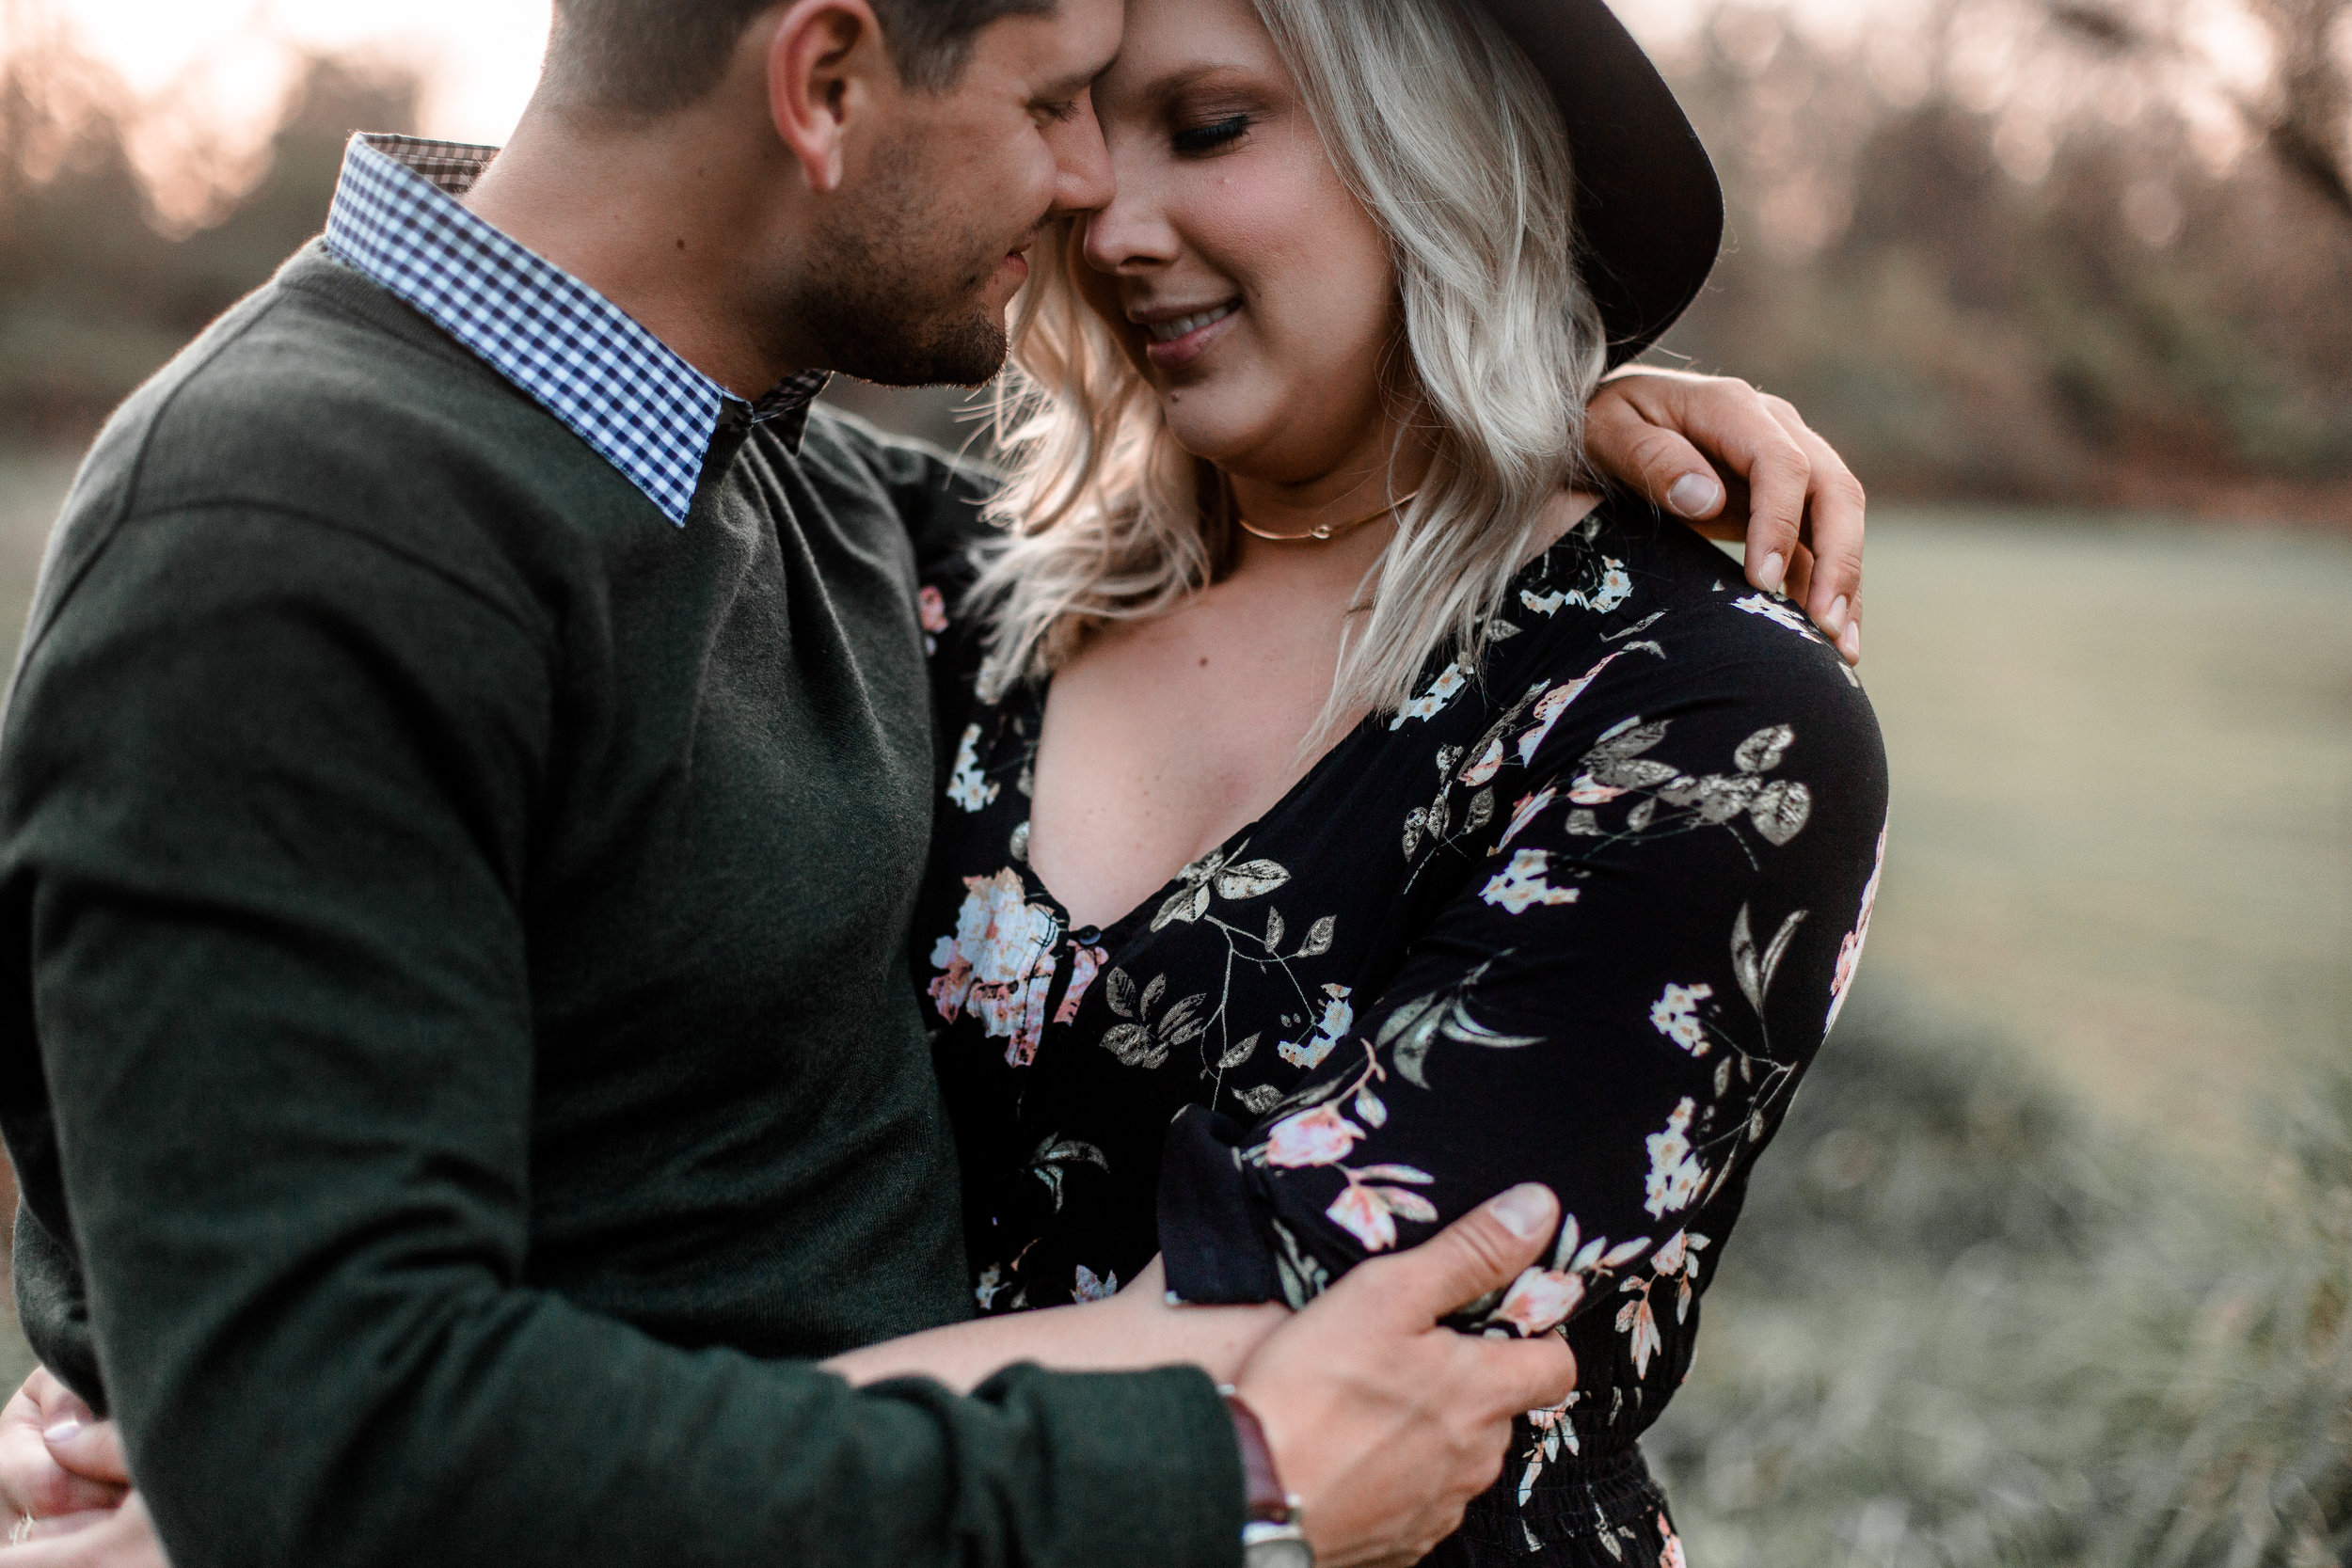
x,y
1207,138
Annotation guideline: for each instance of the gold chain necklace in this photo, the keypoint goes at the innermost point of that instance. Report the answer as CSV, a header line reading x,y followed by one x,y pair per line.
x,y
1325,533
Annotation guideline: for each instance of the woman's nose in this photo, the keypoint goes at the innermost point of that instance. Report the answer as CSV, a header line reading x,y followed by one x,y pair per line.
x,y
1130,229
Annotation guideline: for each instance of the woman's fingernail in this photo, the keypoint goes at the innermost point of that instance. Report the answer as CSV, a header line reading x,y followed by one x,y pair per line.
x,y
1775,572
1526,1210
1850,643
1695,494
62,1433
1834,619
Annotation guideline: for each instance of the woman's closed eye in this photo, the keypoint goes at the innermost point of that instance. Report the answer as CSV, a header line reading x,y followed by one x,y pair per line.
x,y
1217,134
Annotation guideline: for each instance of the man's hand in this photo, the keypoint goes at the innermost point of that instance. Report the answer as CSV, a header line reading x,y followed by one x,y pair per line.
x,y
1792,496
1386,1425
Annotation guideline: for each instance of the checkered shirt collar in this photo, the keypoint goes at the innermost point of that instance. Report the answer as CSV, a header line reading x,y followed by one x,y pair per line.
x,y
620,388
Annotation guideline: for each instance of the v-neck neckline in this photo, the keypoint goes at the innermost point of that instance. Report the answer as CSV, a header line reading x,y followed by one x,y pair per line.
x,y
1033,697
1223,851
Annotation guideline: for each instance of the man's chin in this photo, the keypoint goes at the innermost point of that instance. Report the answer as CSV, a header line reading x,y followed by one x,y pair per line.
x,y
966,353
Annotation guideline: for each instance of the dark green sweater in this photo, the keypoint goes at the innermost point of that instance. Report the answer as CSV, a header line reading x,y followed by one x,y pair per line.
x,y
459,1043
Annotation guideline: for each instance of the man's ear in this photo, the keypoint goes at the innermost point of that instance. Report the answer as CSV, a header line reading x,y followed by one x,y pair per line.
x,y
828,71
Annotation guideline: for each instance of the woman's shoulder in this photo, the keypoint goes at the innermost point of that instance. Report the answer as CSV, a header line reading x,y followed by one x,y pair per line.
x,y
1630,595
1644,676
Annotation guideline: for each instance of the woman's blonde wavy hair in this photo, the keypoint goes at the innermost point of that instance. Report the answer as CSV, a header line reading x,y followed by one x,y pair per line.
x,y
1444,131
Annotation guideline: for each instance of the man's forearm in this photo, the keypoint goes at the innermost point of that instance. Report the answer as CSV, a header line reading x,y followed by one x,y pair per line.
x,y
1136,1328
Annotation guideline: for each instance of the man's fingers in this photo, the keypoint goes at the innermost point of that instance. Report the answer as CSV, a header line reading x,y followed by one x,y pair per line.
x,y
1738,424
1799,574
1667,471
93,1449
1777,477
1834,508
1484,1250
1837,510
1527,1374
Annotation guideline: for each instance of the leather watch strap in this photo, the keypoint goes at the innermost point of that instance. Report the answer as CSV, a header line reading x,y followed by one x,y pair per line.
x,y
1266,1500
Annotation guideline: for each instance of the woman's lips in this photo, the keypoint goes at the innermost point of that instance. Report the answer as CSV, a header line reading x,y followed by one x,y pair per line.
x,y
1194,333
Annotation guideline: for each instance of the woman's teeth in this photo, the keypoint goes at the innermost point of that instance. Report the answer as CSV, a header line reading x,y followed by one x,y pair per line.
x,y
1167,332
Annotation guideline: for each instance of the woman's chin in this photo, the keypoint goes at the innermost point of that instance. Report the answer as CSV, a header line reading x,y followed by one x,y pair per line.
x,y
1211,439
1216,423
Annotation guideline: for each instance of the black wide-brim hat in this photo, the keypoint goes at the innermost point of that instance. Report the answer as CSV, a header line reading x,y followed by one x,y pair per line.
x,y
1649,211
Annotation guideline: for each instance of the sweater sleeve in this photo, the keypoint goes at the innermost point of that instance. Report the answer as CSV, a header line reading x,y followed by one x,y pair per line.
x,y
1643,948
265,796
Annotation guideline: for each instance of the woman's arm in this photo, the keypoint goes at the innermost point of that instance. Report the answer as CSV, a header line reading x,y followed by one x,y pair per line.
x,y
1139,1327
1644,953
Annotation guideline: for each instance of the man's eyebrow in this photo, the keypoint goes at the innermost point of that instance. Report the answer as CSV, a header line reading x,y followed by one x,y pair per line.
x,y
1072,85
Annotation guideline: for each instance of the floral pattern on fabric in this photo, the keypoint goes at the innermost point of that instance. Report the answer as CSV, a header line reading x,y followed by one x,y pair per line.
x,y
1580,912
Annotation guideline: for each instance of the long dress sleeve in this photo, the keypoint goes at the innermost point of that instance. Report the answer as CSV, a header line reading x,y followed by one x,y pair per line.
x,y
1645,889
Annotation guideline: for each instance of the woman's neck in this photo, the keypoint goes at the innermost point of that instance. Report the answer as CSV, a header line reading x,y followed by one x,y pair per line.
x,y
1336,499
1350,498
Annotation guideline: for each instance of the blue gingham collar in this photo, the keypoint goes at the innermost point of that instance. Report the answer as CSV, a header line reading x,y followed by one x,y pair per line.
x,y
620,388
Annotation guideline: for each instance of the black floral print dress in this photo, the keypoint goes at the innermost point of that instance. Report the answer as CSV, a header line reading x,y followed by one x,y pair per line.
x,y
1580,915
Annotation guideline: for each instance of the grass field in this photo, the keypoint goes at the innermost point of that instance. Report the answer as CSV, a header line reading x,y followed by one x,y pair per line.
x,y
2033,1278
2122,783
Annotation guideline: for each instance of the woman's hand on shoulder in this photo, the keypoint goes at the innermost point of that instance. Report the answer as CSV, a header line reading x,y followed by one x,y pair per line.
x,y
1664,434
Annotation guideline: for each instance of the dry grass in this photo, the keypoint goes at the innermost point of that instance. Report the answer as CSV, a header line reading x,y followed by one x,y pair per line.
x,y
1960,1326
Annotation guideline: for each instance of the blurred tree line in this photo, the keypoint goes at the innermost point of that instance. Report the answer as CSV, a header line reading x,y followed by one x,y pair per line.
x,y
1988,246
2043,253
96,289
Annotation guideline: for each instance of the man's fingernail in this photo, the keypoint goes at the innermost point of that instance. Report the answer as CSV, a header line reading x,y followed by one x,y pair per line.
x,y
1834,620
63,1432
1695,494
1775,572
1526,1210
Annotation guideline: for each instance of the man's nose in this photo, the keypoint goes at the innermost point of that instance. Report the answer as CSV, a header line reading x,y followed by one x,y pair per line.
x,y
1083,165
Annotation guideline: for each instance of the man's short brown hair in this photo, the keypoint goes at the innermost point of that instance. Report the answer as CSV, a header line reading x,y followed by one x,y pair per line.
x,y
646,58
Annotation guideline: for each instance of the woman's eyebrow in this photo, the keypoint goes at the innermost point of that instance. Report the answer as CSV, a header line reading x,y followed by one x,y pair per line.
x,y
1184,79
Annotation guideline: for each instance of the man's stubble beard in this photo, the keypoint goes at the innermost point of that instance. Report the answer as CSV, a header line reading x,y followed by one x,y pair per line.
x,y
894,293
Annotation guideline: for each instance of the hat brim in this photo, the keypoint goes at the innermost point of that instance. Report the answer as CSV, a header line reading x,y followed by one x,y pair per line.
x,y
1649,215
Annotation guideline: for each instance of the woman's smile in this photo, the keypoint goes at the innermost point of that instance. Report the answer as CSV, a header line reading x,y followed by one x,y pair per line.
x,y
1178,338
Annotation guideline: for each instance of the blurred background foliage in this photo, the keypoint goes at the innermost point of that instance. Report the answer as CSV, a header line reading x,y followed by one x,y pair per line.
x,y
2077,253
1966,1323
2053,1262
2073,251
